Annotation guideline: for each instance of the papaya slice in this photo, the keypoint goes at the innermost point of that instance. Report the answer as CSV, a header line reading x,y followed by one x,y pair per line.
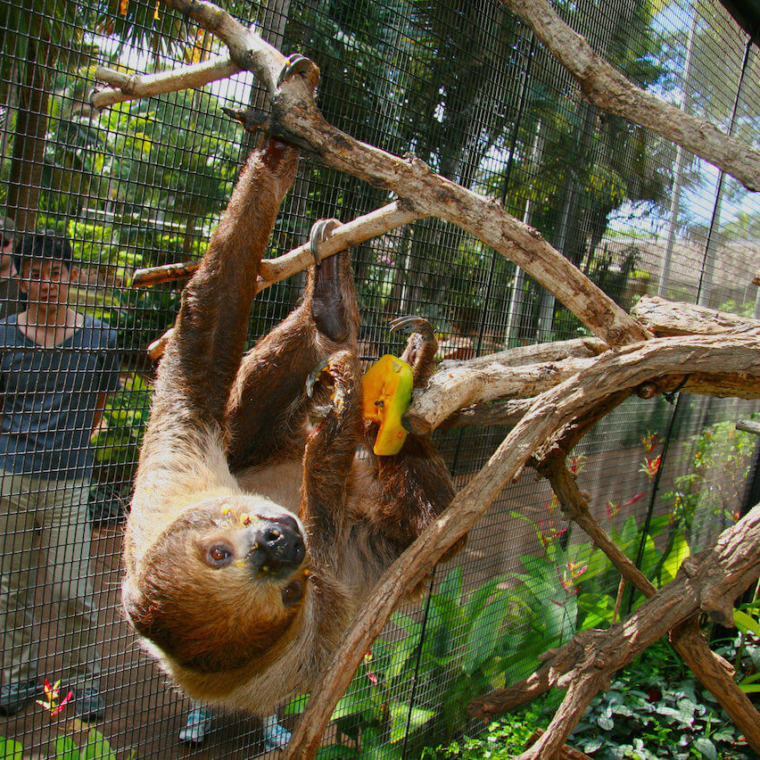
x,y
387,393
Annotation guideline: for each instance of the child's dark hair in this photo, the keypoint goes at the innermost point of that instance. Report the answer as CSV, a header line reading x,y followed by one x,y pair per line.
x,y
45,244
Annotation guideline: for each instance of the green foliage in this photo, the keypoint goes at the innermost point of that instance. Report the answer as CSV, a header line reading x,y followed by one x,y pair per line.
x,y
10,749
94,747
459,656
654,712
720,460
743,648
116,441
502,740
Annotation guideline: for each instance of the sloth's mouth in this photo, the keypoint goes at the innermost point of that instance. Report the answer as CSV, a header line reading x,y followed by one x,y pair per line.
x,y
277,548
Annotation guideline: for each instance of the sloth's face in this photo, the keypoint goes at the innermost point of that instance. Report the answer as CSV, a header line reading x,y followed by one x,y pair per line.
x,y
224,585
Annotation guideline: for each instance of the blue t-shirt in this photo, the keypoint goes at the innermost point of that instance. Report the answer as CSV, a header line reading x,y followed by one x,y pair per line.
x,y
50,397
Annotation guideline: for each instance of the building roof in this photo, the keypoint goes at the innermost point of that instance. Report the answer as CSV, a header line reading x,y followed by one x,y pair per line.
x,y
746,13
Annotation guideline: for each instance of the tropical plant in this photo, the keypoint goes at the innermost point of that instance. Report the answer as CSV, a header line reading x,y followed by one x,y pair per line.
x,y
654,710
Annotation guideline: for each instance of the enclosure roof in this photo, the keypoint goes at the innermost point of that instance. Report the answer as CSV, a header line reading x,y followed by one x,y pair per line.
x,y
747,14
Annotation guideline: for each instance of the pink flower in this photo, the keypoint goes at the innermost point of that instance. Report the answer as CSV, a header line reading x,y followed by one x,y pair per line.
x,y
370,673
651,466
650,441
52,705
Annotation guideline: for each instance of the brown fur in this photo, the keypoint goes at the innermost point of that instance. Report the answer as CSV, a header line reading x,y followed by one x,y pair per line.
x,y
254,534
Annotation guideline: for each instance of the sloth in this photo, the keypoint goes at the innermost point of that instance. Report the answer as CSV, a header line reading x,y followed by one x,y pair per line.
x,y
256,529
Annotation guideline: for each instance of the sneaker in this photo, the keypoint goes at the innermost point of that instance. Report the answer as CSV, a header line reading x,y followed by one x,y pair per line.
x,y
16,695
275,736
89,706
197,726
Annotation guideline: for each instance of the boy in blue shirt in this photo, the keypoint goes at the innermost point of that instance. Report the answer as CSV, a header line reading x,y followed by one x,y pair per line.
x,y
56,368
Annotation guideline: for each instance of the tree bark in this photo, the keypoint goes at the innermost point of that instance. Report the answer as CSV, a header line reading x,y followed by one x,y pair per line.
x,y
709,582
25,181
609,90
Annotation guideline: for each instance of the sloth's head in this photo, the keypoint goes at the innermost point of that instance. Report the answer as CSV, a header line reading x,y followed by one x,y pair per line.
x,y
226,584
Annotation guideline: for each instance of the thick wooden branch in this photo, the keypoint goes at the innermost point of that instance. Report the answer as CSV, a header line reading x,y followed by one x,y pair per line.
x,y
475,381
550,413
295,114
135,86
609,90
585,665
348,235
713,672
717,675
665,318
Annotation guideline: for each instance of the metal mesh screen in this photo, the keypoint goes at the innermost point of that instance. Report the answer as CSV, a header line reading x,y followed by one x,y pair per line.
x,y
465,87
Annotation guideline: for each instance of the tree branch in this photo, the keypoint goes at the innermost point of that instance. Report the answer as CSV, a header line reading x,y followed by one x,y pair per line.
x,y
349,235
609,90
585,665
550,413
135,86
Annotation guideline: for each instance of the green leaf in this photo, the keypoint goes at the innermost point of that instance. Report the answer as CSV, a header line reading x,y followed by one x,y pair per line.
x,y
706,747
746,623
336,752
65,749
401,716
451,586
10,749
403,650
97,747
678,553
352,704
484,634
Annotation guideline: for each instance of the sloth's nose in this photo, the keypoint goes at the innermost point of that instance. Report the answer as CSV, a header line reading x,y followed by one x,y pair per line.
x,y
278,548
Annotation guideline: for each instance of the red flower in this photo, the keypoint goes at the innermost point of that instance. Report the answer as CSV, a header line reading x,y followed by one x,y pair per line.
x,y
651,466
52,705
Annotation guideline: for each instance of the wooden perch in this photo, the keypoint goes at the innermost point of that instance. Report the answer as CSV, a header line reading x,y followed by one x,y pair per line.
x,y
609,90
665,318
709,582
135,86
550,413
348,235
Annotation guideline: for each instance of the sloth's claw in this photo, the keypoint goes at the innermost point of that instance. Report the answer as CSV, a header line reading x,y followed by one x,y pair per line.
x,y
295,64
421,347
339,385
320,231
314,375
413,323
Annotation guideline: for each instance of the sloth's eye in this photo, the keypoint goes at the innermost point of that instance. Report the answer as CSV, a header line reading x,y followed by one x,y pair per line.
x,y
292,593
219,555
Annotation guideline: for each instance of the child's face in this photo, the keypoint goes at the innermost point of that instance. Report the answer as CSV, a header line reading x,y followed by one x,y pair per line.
x,y
45,283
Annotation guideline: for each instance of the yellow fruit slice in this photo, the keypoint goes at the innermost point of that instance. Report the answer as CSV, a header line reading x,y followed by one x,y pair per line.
x,y
387,388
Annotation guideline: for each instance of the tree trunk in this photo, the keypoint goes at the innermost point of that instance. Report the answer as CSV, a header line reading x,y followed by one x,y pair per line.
x,y
29,140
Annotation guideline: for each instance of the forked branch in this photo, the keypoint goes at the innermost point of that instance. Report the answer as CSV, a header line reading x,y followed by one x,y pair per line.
x,y
609,375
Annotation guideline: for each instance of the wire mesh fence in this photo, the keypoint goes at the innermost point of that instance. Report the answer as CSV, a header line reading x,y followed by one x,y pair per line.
x,y
466,88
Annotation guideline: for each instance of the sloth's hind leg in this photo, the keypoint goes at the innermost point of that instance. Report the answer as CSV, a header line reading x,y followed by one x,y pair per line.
x,y
268,406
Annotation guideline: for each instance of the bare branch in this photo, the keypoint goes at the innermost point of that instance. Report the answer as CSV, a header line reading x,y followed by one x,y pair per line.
x,y
348,235
665,317
497,376
609,90
585,665
550,412
136,86
247,49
